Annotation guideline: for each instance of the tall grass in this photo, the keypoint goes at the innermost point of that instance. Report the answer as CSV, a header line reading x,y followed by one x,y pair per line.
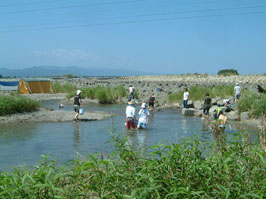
x,y
252,102
105,95
182,170
198,92
17,104
63,88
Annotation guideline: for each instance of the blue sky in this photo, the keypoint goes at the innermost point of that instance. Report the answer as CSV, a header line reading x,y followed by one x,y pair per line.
x,y
158,36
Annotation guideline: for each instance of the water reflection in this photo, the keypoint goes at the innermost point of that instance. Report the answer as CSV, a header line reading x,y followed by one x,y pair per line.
x,y
16,131
137,138
184,125
205,124
76,135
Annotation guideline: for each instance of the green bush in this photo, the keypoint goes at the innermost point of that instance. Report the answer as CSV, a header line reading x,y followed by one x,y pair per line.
x,y
105,95
253,103
17,104
228,72
63,88
190,169
198,92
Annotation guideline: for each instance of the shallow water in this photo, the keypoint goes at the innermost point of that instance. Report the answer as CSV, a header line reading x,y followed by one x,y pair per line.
x,y
23,144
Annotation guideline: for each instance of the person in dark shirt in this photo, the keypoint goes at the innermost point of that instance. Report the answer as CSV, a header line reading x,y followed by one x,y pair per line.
x,y
76,104
207,104
151,102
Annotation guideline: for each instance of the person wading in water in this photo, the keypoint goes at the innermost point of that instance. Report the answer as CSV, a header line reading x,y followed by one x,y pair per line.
x,y
76,104
130,114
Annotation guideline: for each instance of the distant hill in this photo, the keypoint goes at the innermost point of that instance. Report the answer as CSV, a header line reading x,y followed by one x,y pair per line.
x,y
43,71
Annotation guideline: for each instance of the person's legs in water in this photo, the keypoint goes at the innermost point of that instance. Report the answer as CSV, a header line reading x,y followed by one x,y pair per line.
x,y
76,108
130,123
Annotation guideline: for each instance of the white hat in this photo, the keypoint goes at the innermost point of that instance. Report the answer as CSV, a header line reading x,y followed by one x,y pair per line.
x,y
143,105
237,83
78,92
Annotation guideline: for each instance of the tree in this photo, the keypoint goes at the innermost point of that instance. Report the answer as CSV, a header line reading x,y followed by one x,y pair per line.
x,y
228,72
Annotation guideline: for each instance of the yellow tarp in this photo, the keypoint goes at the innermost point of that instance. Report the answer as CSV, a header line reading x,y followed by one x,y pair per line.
x,y
28,87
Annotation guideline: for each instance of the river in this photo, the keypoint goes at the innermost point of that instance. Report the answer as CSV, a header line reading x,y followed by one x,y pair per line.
x,y
23,144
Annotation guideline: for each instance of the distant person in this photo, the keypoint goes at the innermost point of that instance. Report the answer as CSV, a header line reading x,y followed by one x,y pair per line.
x,y
185,98
143,117
207,104
131,91
222,120
77,103
151,102
237,90
130,114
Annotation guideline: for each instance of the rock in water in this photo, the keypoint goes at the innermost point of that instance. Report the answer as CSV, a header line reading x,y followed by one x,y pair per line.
x,y
188,111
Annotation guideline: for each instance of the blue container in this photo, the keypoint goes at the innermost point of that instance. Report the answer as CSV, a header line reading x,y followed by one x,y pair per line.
x,y
81,111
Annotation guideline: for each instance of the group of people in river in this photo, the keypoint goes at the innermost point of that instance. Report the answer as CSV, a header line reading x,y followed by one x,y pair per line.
x,y
144,114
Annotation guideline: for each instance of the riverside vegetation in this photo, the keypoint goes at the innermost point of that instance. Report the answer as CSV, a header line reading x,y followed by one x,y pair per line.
x,y
254,103
198,92
190,169
105,95
17,104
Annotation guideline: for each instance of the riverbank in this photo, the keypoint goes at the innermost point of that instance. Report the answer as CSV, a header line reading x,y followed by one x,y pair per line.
x,y
190,169
48,115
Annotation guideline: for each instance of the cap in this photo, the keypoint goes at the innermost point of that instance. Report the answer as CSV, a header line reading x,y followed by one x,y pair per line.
x,y
143,105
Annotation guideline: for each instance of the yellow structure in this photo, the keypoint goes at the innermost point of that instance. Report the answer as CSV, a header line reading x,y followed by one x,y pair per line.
x,y
35,86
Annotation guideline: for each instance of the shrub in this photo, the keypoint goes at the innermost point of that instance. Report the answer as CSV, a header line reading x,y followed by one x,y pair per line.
x,y
63,88
190,169
228,72
105,95
17,104
252,102
198,92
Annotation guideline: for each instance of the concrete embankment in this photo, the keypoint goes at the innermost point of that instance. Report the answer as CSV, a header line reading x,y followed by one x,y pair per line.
x,y
166,84
46,115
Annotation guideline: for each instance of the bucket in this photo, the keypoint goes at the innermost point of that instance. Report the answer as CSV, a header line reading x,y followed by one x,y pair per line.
x,y
81,111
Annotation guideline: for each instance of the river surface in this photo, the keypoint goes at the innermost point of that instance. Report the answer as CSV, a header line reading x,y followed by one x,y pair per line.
x,y
23,144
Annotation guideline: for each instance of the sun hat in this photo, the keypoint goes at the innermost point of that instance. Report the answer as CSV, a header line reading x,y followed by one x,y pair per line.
x,y
237,83
131,101
78,92
143,105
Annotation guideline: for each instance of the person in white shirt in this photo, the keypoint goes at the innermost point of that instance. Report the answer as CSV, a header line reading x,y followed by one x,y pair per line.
x,y
237,92
131,91
185,98
130,114
143,117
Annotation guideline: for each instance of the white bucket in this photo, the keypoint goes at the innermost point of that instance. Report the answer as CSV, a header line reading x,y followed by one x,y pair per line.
x,y
81,111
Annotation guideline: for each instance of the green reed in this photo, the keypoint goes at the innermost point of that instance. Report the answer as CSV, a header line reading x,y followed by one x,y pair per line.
x,y
105,95
252,102
198,92
190,169
17,104
63,88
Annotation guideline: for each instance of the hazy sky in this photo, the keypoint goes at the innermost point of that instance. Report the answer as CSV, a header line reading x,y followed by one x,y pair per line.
x,y
162,36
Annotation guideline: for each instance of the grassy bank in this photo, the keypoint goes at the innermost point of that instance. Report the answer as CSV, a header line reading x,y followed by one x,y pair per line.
x,y
63,88
105,95
253,103
182,170
17,104
198,93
